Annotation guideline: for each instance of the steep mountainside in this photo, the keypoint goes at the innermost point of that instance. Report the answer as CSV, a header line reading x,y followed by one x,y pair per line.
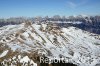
x,y
27,42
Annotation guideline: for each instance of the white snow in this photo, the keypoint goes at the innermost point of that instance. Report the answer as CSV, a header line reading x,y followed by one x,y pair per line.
x,y
4,53
68,22
26,59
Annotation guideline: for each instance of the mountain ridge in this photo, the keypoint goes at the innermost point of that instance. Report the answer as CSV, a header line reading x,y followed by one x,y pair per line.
x,y
33,41
87,23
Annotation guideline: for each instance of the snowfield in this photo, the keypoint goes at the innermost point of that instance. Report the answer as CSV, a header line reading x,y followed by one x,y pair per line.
x,y
80,47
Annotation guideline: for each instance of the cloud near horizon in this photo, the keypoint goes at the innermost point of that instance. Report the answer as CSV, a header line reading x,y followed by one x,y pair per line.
x,y
73,4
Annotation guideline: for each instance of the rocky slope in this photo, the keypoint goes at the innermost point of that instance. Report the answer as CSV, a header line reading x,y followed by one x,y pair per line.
x,y
23,44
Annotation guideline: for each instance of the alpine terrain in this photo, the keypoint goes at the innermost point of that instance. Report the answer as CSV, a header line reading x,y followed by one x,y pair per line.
x,y
24,45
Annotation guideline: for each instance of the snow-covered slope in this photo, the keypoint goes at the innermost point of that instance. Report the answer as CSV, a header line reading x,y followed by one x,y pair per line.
x,y
79,47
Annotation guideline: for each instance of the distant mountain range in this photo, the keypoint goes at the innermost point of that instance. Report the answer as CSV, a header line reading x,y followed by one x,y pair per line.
x,y
88,23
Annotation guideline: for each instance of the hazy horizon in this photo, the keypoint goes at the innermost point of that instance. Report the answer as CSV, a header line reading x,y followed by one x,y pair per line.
x,y
32,8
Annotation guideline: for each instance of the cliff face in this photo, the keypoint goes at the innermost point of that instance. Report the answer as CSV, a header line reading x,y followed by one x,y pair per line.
x,y
27,42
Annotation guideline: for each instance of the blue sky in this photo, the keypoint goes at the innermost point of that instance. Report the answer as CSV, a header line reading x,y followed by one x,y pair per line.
x,y
31,8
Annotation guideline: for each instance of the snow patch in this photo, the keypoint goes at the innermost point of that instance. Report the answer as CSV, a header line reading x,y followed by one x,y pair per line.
x,y
4,53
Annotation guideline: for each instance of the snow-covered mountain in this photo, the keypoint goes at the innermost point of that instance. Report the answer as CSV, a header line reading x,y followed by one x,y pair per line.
x,y
27,42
